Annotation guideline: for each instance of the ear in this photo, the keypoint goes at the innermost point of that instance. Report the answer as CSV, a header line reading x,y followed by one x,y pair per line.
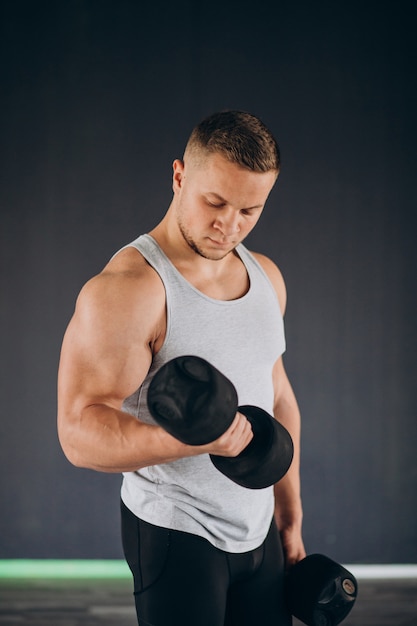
x,y
178,174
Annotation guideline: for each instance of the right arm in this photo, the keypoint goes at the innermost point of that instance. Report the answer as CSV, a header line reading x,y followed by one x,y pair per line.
x,y
106,353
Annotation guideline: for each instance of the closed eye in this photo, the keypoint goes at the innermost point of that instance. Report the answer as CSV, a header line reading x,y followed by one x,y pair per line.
x,y
216,205
249,212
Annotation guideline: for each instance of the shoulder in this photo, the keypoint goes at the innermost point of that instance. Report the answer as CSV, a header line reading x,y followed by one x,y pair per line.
x,y
126,292
127,274
275,276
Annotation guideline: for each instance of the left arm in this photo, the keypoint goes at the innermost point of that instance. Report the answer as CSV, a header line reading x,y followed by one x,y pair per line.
x,y
288,507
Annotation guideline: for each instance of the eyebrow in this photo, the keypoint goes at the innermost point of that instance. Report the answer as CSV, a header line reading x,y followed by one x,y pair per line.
x,y
221,199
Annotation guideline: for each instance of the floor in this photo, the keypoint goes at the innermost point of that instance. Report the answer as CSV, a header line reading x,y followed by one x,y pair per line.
x,y
45,602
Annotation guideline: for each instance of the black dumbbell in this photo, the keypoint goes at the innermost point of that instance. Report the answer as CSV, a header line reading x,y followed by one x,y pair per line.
x,y
196,404
319,591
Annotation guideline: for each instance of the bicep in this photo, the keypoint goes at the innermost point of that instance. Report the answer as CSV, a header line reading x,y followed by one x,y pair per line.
x,y
99,370
104,357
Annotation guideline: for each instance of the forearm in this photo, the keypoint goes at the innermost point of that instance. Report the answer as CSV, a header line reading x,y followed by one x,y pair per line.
x,y
288,506
106,439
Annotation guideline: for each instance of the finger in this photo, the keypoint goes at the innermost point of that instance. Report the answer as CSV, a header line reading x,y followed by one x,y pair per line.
x,y
242,423
236,427
242,434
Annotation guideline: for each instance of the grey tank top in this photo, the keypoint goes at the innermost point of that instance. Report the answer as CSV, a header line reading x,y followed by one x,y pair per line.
x,y
242,338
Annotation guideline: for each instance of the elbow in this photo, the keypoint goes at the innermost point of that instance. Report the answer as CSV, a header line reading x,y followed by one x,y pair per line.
x,y
73,457
71,453
68,441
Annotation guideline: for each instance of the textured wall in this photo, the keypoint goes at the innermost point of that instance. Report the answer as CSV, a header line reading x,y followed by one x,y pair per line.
x,y
98,98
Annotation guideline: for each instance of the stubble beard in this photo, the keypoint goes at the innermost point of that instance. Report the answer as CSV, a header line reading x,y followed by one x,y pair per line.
x,y
197,249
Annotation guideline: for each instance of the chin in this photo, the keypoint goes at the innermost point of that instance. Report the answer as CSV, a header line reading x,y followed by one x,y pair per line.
x,y
207,247
210,254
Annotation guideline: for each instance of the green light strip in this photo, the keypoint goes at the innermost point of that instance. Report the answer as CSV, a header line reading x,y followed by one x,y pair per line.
x,y
96,569
46,568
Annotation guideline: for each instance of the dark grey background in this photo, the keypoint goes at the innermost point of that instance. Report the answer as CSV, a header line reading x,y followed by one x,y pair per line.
x,y
98,98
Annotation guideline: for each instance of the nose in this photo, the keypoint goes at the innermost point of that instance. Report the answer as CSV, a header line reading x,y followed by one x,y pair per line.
x,y
228,223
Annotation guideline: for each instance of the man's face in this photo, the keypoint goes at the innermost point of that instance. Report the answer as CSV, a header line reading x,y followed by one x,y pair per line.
x,y
217,203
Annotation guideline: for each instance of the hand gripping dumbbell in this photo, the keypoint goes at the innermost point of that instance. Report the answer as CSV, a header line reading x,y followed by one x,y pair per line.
x,y
196,404
319,591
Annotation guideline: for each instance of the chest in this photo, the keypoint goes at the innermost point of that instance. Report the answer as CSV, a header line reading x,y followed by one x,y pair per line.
x,y
229,284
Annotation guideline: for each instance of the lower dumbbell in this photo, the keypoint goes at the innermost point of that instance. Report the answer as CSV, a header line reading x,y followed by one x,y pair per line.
x,y
319,591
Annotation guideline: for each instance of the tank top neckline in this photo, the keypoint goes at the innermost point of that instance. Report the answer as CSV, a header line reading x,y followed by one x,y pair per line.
x,y
239,248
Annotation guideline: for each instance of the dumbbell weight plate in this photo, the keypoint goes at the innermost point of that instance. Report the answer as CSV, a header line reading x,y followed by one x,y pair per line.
x,y
192,400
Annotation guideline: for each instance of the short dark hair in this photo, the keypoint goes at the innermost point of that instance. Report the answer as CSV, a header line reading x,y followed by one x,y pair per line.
x,y
240,137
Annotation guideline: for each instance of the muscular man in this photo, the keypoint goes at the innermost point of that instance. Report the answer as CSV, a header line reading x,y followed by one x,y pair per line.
x,y
203,550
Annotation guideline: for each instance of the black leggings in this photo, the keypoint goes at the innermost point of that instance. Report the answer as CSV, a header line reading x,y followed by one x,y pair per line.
x,y
180,579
